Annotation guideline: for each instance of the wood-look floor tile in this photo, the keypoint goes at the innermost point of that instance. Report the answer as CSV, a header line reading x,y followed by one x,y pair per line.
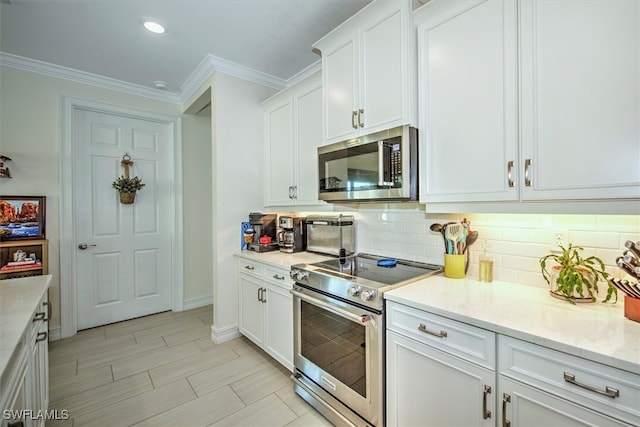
x,y
181,337
292,400
140,363
194,312
269,411
262,383
310,419
178,325
197,362
90,400
205,343
115,354
139,407
227,373
115,330
78,383
202,411
61,370
85,349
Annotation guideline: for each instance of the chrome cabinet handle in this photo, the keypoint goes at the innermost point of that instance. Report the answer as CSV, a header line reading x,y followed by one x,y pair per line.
x,y
360,122
608,391
354,113
295,191
423,328
38,317
486,414
509,173
278,277
505,399
264,295
527,179
248,267
41,336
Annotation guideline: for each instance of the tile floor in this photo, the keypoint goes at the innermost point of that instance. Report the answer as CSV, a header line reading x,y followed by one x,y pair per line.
x,y
163,370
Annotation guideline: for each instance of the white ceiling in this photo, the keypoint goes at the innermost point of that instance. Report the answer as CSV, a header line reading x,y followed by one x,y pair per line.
x,y
106,37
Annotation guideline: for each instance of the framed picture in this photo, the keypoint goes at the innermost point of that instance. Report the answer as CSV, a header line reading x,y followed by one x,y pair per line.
x,y
22,217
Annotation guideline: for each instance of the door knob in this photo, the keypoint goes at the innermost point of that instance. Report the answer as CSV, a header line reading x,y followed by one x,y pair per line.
x,y
83,246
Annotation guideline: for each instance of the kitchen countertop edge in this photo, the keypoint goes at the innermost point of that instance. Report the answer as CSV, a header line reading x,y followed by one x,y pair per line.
x,y
282,259
530,314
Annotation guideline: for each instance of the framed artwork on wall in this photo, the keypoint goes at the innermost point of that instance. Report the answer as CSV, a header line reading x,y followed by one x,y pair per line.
x,y
22,217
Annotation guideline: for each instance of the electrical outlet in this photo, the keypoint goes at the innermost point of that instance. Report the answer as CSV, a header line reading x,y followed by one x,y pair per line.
x,y
558,238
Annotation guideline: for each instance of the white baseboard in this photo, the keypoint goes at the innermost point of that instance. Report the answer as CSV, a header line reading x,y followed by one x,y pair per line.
x,y
54,334
220,335
197,302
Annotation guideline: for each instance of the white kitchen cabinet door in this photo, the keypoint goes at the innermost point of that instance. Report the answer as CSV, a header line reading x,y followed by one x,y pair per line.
x,y
468,101
426,387
309,138
279,146
525,406
580,107
278,312
251,318
368,72
339,69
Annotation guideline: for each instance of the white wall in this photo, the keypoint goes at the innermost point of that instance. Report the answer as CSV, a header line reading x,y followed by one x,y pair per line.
x,y
197,205
30,132
237,184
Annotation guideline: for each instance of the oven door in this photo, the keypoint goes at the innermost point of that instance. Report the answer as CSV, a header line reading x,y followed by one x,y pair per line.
x,y
339,347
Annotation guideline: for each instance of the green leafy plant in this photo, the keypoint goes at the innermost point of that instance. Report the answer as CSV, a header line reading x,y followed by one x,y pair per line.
x,y
576,275
128,185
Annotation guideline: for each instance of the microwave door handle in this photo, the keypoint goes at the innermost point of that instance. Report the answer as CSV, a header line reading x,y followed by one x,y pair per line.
x,y
383,165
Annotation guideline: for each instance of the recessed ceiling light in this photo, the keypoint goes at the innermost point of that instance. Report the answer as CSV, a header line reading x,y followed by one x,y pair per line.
x,y
154,27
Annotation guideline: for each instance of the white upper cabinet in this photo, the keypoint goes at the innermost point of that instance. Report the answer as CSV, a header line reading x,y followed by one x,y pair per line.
x,y
580,99
468,95
368,72
292,134
527,101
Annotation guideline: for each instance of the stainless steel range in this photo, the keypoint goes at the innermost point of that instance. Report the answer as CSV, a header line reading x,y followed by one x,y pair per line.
x,y
339,333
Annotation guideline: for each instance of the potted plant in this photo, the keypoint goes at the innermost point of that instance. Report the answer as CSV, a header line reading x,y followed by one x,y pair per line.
x,y
127,188
575,278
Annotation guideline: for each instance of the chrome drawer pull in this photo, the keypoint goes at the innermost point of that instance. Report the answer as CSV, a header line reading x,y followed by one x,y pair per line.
x,y
39,316
486,414
248,267
278,277
608,391
505,399
42,336
48,304
423,328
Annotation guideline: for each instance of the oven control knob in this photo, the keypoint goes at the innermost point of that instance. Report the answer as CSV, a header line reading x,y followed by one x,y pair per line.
x,y
368,295
355,291
293,274
301,275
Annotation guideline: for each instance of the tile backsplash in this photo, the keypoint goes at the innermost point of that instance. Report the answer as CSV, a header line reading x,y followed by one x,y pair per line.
x,y
516,242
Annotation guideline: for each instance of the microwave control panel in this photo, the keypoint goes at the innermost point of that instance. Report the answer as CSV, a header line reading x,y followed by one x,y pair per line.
x,y
396,165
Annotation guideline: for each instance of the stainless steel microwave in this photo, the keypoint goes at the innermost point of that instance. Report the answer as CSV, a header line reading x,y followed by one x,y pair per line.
x,y
378,167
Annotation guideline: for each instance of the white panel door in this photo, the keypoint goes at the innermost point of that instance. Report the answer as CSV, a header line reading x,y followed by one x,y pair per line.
x,y
581,99
309,137
468,101
125,271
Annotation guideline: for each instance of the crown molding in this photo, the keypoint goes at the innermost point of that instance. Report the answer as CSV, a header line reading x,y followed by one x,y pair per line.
x,y
82,77
209,65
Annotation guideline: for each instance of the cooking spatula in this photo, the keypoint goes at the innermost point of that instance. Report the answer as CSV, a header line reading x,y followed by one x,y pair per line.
x,y
453,233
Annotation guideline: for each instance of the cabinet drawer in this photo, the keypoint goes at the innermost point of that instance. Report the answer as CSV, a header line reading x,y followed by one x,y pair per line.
x,y
251,267
277,276
460,339
602,388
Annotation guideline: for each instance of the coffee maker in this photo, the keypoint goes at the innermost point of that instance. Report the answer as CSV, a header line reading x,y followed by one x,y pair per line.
x,y
264,236
292,237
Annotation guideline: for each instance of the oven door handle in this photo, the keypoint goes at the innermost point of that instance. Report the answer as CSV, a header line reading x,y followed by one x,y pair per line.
x,y
362,319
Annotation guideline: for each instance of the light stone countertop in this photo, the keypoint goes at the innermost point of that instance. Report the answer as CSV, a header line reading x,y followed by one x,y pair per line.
x,y
19,299
598,331
281,259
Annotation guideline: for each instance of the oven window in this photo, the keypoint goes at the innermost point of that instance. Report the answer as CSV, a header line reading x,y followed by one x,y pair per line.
x,y
334,344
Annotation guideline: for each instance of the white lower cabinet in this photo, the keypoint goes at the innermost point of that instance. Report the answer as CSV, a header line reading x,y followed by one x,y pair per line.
x,y
25,383
266,308
427,385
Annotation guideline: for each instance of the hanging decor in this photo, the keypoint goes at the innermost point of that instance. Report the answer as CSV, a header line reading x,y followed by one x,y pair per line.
x,y
4,171
126,186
